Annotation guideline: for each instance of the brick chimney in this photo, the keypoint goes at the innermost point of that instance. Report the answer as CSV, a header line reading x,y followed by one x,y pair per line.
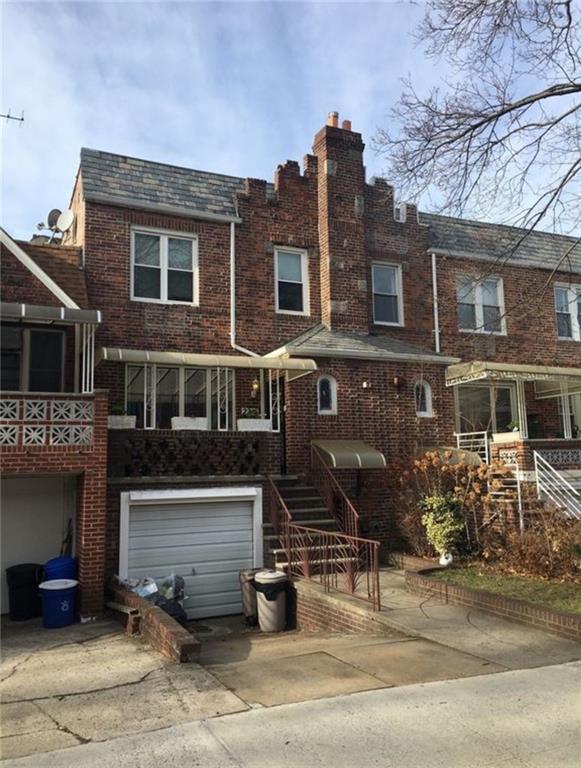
x,y
341,225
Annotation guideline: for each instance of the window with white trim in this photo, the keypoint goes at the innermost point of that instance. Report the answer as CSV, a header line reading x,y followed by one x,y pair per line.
x,y
164,267
327,396
387,294
291,281
480,305
423,399
568,311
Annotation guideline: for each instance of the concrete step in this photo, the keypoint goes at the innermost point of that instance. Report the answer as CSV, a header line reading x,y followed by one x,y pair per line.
x,y
313,500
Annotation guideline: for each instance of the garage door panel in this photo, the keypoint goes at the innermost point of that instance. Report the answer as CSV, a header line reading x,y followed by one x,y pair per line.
x,y
207,543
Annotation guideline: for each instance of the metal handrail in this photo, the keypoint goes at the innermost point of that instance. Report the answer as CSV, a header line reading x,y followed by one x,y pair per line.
x,y
345,514
556,487
475,442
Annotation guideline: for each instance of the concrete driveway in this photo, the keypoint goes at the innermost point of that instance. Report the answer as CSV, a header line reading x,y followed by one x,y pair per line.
x,y
70,686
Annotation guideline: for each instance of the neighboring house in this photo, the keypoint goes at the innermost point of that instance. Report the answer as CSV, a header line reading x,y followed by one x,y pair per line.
x,y
313,304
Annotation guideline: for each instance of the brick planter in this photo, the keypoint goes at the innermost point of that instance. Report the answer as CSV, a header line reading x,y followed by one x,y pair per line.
x,y
159,629
405,562
560,623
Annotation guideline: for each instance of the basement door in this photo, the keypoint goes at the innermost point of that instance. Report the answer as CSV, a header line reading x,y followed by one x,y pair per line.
x,y
205,535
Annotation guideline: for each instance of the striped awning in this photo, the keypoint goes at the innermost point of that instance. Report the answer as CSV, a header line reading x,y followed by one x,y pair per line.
x,y
349,454
482,370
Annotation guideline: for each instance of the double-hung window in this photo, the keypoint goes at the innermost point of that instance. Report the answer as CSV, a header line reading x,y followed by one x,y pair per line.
x,y
387,294
291,281
568,312
164,267
480,305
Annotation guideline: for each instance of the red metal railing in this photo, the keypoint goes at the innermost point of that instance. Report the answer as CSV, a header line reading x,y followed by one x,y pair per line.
x,y
334,496
338,561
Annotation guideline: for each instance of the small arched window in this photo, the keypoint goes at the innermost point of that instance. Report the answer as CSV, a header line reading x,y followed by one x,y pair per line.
x,y
327,396
423,398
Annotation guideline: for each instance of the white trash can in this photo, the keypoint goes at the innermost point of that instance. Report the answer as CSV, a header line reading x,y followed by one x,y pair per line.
x,y
271,589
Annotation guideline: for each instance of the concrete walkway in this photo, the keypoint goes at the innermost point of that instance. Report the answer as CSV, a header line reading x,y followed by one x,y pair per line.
x,y
523,719
500,641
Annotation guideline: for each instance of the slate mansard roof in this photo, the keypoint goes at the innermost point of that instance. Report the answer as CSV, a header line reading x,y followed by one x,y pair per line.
x,y
131,182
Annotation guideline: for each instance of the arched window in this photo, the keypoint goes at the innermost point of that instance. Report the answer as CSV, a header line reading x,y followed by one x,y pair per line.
x,y
423,398
327,396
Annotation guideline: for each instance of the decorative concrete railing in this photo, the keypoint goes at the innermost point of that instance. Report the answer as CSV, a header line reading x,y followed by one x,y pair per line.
x,y
46,420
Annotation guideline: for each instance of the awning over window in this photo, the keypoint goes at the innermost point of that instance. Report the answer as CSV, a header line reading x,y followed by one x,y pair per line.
x,y
137,356
349,454
463,373
35,313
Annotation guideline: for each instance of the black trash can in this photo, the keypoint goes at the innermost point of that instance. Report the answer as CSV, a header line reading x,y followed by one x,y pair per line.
x,y
23,596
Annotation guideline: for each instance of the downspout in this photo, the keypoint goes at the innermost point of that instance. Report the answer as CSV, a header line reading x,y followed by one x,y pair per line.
x,y
233,295
435,300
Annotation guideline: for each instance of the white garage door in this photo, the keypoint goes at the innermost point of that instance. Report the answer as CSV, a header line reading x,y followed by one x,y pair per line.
x,y
35,515
206,541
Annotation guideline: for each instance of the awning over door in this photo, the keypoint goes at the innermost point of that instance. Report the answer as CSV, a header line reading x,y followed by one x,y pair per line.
x,y
349,454
479,370
137,356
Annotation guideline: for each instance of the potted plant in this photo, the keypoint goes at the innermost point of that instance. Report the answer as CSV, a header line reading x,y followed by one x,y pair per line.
x,y
510,436
443,522
250,421
118,418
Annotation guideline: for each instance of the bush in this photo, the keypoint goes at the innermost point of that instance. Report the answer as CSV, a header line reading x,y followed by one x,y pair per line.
x,y
443,521
548,547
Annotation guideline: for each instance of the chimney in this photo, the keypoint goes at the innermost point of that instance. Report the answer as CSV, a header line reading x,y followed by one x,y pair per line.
x,y
333,119
341,188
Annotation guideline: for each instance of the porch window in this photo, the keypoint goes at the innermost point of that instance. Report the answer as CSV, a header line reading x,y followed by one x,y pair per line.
x,y
291,281
387,294
568,312
423,398
480,305
157,393
32,359
164,267
485,408
327,396
574,405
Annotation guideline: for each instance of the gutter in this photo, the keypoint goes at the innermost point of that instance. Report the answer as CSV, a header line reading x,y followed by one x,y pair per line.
x,y
143,205
435,299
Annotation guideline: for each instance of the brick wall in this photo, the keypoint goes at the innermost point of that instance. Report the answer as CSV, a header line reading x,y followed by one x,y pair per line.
x,y
89,463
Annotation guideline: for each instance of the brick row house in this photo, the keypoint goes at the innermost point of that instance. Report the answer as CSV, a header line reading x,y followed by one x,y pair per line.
x,y
234,330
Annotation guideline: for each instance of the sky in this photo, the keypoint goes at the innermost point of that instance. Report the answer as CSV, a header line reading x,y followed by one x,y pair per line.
x,y
235,88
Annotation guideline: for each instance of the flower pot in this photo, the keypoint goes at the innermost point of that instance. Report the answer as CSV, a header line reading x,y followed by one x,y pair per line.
x,y
507,437
254,425
121,422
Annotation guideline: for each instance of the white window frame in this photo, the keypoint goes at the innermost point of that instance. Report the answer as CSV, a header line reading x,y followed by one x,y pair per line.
x,y
514,411
164,234
304,281
399,285
428,413
333,384
574,293
479,306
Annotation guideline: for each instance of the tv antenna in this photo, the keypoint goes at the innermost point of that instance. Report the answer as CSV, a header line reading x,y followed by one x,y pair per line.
x,y
8,116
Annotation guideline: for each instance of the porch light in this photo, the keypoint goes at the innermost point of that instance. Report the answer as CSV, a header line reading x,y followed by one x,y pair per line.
x,y
255,387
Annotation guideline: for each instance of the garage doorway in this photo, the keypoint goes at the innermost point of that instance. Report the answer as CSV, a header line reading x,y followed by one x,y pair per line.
x,y
205,535
35,517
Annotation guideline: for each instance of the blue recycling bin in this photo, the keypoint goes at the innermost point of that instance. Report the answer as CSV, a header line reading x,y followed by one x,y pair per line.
x,y
64,567
58,602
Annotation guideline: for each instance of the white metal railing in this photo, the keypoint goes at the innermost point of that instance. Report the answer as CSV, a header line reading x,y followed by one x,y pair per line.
x,y
552,485
475,442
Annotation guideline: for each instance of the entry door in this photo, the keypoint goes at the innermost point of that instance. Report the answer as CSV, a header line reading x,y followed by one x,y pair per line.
x,y
207,542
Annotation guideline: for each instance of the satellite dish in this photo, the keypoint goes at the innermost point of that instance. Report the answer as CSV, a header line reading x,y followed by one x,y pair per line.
x,y
53,217
65,221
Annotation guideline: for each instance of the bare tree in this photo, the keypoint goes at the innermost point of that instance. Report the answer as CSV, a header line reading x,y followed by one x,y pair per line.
x,y
504,133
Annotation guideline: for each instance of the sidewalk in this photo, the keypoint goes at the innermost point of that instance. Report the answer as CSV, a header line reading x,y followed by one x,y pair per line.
x,y
523,719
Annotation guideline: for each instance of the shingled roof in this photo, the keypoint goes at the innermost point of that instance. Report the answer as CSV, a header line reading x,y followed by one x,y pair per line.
x,y
462,237
128,181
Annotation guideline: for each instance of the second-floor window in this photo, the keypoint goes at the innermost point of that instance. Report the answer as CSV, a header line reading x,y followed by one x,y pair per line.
x,y
568,311
291,281
387,294
164,267
480,305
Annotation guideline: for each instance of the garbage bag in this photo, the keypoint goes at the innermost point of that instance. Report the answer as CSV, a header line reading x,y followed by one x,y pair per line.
x,y
173,608
272,591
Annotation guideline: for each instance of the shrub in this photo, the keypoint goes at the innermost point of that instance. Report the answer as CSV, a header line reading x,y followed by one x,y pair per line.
x,y
443,521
